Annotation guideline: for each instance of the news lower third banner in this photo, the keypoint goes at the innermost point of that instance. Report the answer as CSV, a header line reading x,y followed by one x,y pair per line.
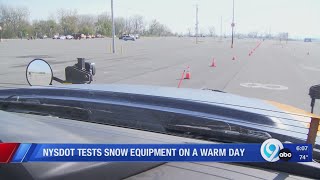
x,y
271,150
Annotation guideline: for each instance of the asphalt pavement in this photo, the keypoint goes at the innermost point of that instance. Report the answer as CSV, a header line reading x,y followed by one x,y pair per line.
x,y
275,70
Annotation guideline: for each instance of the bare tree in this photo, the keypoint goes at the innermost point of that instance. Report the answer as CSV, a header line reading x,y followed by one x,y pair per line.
x,y
119,24
14,20
157,29
137,23
15,23
128,27
154,27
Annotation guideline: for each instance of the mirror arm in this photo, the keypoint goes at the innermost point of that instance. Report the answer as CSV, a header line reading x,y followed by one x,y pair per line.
x,y
58,80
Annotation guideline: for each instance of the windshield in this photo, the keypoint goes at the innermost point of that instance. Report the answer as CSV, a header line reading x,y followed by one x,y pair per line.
x,y
247,65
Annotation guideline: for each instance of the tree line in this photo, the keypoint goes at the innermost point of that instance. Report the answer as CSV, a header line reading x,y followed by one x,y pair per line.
x,y
15,23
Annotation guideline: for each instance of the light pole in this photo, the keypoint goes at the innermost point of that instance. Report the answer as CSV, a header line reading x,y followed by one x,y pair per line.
x,y
113,28
51,27
232,24
221,28
0,31
197,24
37,29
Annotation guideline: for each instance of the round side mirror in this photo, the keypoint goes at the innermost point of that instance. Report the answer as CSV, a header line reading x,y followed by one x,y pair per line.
x,y
39,73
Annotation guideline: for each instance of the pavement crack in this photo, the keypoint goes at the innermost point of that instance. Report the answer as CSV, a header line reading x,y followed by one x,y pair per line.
x,y
233,77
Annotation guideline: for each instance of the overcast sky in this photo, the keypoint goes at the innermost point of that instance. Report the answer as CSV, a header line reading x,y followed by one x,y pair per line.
x,y
298,17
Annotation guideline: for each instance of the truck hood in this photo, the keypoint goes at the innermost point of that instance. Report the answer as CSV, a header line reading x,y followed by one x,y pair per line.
x,y
269,116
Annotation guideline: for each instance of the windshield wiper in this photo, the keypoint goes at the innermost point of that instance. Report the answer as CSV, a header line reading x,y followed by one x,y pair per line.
x,y
215,90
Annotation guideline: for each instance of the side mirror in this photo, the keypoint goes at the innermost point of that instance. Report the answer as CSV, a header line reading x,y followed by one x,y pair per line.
x,y
39,73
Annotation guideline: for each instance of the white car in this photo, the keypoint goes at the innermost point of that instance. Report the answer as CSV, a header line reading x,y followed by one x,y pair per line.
x,y
69,37
55,37
129,37
62,37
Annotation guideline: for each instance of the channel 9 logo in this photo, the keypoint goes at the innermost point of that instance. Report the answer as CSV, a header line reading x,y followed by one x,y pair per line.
x,y
272,150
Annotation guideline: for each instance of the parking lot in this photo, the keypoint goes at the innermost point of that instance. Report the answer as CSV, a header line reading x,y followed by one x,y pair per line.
x,y
275,71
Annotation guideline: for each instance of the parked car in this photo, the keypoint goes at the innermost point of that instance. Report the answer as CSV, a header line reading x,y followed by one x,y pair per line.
x,y
123,35
99,36
69,37
88,36
307,40
129,37
55,37
76,36
44,37
62,37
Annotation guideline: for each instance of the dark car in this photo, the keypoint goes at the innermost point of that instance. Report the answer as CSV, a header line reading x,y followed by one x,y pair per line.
x,y
307,40
121,36
77,36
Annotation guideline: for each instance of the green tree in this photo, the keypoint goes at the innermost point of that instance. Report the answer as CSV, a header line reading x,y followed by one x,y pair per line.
x,y
14,20
68,21
158,29
86,24
104,25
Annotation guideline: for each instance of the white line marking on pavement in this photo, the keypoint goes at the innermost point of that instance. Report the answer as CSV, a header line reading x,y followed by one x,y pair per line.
x,y
310,68
264,86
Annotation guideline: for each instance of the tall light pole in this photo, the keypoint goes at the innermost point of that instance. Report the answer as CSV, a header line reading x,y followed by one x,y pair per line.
x,y
37,29
197,24
0,32
113,28
221,28
232,24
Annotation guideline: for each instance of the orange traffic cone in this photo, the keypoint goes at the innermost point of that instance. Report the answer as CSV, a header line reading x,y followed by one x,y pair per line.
x,y
188,74
213,63
233,58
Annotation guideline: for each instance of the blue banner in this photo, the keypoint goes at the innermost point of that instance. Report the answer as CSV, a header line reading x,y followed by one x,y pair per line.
x,y
271,150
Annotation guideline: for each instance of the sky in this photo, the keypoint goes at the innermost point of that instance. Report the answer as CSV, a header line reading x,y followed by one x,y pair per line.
x,y
298,17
